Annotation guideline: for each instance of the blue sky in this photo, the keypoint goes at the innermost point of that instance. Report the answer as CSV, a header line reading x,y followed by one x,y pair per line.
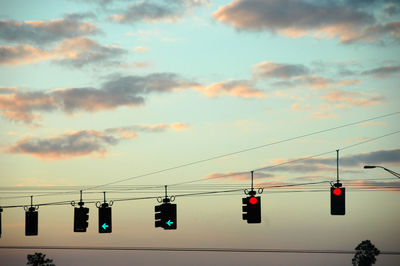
x,y
93,92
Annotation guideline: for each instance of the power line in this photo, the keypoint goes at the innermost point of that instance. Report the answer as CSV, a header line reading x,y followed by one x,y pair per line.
x,y
242,151
259,169
211,193
196,249
290,161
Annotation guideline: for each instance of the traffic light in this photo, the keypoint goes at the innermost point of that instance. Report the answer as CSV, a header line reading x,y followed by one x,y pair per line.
x,y
338,202
166,216
31,222
81,218
252,209
1,210
105,218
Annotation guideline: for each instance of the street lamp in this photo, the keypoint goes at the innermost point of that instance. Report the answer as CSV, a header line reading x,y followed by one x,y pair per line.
x,y
377,166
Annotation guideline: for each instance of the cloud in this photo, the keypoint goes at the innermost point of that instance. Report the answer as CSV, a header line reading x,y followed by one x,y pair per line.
x,y
347,98
376,33
382,71
156,11
7,90
275,16
44,32
137,64
391,9
19,105
74,144
76,52
22,54
84,142
375,185
80,16
140,49
281,71
81,51
347,20
120,91
292,75
238,88
115,92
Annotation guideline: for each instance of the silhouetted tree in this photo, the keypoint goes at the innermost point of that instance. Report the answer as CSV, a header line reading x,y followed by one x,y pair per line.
x,y
365,254
39,259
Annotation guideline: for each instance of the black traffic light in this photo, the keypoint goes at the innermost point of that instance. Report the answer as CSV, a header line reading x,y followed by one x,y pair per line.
x,y
166,216
1,210
338,202
81,218
105,225
252,209
31,222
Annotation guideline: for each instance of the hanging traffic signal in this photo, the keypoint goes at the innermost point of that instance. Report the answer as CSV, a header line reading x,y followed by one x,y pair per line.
x,y
105,218
166,216
31,222
1,210
81,219
338,202
252,209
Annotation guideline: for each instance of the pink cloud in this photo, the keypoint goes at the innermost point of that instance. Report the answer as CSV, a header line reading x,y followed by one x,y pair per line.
x,y
346,98
77,52
237,88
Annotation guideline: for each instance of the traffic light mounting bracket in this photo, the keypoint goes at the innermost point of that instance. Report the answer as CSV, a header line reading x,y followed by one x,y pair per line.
x,y
32,207
166,199
105,203
252,192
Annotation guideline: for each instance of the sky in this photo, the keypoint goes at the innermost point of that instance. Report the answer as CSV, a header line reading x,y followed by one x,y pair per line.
x,y
128,96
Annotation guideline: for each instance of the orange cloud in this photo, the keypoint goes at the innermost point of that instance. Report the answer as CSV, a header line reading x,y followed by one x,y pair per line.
x,y
20,116
344,98
238,88
140,49
22,54
77,51
344,32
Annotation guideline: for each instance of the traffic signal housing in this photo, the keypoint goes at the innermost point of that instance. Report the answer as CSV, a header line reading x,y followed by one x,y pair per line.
x,y
31,222
81,219
1,210
165,216
105,225
252,209
338,200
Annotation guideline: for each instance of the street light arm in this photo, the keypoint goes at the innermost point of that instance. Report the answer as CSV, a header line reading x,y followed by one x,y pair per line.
x,y
392,172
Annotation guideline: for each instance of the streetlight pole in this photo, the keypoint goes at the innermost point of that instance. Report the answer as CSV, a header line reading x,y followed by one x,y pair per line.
x,y
387,170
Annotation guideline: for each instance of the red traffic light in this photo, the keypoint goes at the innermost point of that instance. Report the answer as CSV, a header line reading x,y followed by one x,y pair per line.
x,y
337,191
253,200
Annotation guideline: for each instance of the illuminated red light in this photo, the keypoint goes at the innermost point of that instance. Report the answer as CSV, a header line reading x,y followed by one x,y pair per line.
x,y
253,200
337,191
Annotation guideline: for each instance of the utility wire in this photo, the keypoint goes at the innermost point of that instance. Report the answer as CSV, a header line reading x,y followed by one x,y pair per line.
x,y
180,249
259,169
210,193
242,151
290,161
